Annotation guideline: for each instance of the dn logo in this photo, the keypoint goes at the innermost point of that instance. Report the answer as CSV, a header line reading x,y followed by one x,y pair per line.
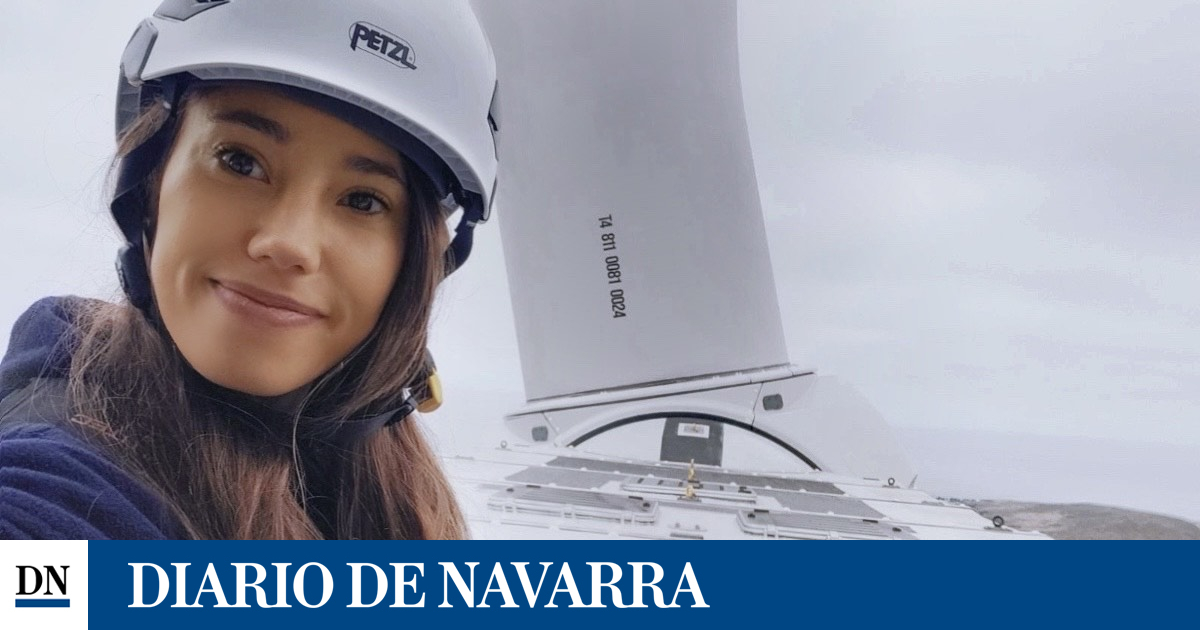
x,y
382,44
30,581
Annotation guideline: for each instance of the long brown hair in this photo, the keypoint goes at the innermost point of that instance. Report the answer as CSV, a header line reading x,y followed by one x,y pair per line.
x,y
222,477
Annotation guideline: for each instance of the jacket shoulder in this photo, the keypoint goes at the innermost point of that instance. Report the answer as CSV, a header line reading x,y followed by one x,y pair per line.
x,y
54,486
41,342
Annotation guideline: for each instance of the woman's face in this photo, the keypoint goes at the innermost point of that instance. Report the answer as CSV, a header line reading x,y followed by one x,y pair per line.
x,y
280,232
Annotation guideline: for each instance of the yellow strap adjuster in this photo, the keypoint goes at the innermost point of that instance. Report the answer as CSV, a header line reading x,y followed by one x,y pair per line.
x,y
430,396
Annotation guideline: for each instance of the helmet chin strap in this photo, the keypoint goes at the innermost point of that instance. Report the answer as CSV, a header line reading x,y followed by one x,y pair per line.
x,y
135,278
273,413
464,236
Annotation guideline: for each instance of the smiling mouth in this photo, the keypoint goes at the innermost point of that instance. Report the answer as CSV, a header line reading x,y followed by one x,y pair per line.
x,y
264,307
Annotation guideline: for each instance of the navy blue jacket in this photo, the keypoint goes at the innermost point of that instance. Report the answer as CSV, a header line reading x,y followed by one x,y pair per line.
x,y
52,483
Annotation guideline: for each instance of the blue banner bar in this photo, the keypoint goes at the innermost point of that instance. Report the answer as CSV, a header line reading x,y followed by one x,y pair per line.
x,y
603,584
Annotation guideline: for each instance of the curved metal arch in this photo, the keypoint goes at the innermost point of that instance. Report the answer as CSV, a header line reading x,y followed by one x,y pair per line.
x,y
702,416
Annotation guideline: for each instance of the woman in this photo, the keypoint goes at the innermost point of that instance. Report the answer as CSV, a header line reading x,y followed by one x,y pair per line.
x,y
285,171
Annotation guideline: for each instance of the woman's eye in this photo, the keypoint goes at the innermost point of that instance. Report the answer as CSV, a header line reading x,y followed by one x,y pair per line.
x,y
241,163
365,202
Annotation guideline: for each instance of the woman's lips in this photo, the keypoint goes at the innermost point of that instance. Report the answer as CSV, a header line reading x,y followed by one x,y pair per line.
x,y
264,306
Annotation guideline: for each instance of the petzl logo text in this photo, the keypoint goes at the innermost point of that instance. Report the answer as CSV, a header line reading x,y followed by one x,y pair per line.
x,y
30,583
382,44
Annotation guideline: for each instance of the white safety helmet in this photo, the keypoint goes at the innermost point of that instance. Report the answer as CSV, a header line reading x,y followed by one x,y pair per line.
x,y
418,74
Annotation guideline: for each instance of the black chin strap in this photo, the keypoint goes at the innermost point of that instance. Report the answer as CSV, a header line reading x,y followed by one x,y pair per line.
x,y
464,235
305,408
135,279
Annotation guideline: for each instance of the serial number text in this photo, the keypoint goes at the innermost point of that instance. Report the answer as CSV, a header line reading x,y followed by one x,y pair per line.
x,y
612,267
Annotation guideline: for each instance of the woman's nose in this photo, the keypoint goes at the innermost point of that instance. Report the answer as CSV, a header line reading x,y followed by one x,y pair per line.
x,y
289,235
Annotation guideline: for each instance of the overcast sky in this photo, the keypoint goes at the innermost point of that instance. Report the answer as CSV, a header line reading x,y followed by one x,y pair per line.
x,y
981,214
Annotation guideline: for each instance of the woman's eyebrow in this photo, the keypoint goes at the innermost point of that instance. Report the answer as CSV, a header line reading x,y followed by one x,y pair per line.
x,y
368,166
255,121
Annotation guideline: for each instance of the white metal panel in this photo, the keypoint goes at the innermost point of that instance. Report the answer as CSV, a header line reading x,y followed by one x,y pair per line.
x,y
826,420
732,403
835,425
539,493
630,110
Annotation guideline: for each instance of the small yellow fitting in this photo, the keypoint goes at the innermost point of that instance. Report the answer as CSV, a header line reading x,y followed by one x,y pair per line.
x,y
432,395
